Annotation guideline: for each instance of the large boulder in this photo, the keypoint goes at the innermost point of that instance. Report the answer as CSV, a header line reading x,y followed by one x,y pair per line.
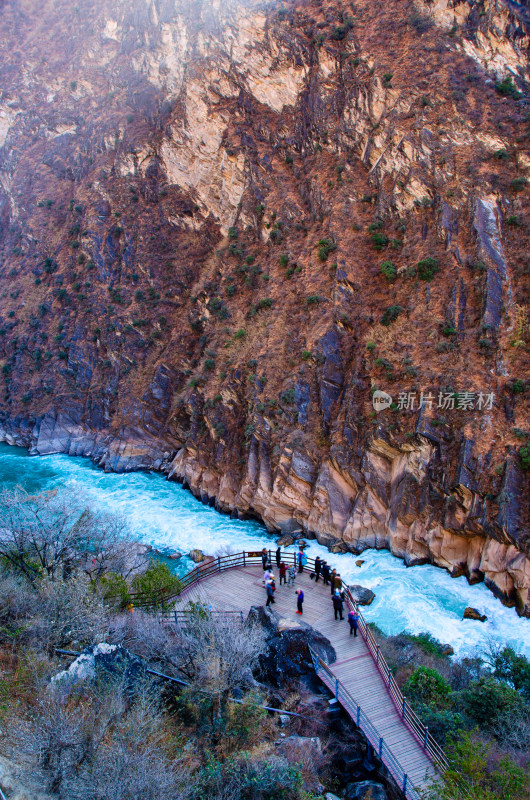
x,y
288,641
365,790
102,661
473,613
197,556
361,594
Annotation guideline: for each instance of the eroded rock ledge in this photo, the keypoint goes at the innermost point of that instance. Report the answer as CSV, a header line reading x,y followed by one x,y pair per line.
x,y
397,500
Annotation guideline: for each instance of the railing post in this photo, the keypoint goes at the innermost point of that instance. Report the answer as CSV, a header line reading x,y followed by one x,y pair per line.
x,y
244,555
218,563
358,716
404,783
404,708
270,557
337,688
426,740
377,656
381,747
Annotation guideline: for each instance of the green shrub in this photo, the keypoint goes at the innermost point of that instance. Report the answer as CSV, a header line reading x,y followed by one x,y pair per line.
x,y
487,700
389,270
209,364
284,260
341,31
115,590
512,221
427,686
524,457
507,88
306,355
158,582
314,299
325,247
370,346
240,334
233,233
380,240
518,386
518,184
387,79
391,314
502,154
265,302
514,668
427,268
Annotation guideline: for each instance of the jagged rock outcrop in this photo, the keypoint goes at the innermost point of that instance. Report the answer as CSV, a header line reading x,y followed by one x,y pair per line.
x,y
222,227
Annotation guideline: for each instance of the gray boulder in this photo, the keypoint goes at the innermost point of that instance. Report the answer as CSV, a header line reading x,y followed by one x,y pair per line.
x,y
102,661
361,594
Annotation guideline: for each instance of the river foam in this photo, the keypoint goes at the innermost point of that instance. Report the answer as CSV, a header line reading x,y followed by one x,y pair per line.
x,y
165,515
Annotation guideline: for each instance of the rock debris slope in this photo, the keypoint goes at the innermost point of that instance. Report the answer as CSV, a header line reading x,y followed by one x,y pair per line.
x,y
223,226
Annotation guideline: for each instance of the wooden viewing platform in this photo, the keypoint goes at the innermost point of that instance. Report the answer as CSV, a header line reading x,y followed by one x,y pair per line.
x,y
359,678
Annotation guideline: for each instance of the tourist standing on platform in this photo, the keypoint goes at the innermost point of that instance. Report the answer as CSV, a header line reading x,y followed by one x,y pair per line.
x,y
299,601
278,556
338,605
325,573
302,560
267,575
270,593
337,583
283,572
264,558
332,580
292,575
318,567
353,621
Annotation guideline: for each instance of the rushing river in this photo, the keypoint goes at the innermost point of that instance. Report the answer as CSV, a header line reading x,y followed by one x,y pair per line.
x,y
165,515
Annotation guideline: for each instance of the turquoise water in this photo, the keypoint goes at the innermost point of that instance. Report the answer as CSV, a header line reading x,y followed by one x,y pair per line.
x,y
163,514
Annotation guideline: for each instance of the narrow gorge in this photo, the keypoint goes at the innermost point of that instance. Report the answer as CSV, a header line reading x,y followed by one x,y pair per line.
x,y
224,226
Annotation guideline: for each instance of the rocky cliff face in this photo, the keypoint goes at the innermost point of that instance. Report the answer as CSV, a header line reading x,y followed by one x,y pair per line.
x,y
224,226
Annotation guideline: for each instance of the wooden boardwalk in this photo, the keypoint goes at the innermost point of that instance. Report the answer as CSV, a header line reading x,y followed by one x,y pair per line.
x,y
240,588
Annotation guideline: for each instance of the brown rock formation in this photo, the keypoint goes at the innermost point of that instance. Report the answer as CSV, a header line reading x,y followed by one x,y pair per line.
x,y
195,204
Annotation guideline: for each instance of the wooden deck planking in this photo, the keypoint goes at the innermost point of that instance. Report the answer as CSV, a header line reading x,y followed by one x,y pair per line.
x,y
239,589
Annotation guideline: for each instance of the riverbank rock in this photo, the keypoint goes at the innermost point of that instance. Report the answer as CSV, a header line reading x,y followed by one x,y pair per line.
x,y
362,595
473,613
197,556
366,790
175,556
285,540
359,562
447,650
337,548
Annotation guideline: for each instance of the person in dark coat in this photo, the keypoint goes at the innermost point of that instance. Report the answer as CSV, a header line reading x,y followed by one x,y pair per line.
x,y
332,581
283,572
299,601
270,593
338,605
353,622
325,573
318,567
278,556
264,558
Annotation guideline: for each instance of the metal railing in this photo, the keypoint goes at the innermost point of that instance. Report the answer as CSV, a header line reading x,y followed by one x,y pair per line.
x,y
186,616
365,725
212,566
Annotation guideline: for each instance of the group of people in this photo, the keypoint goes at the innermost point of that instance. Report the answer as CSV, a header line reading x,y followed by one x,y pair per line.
x,y
287,574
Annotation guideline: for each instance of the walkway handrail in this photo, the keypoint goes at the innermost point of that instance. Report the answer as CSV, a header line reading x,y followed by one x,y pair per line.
x,y
364,723
213,565
405,709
